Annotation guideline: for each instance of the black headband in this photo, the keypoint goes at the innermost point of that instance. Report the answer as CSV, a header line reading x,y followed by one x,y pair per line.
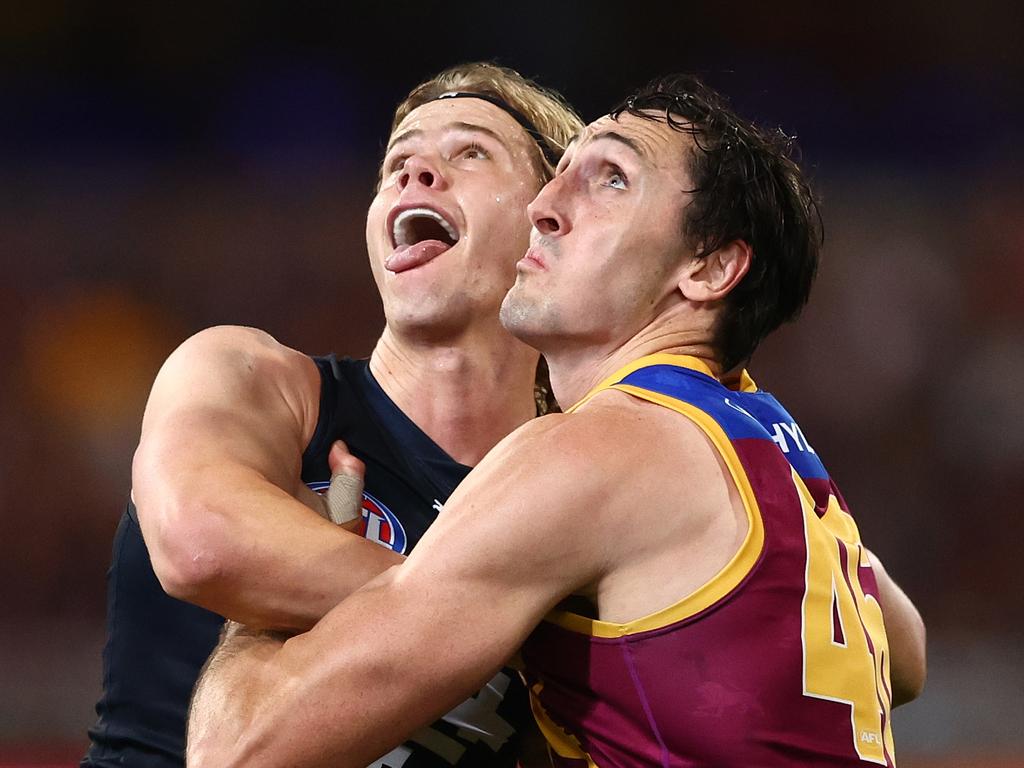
x,y
550,153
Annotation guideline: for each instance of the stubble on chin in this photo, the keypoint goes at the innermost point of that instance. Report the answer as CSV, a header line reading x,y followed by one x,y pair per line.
x,y
526,317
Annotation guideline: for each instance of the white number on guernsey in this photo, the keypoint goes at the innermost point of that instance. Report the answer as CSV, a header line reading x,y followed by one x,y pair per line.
x,y
477,719
846,654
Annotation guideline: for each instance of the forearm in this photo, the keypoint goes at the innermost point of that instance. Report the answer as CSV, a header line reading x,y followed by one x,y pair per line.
x,y
260,557
335,697
289,579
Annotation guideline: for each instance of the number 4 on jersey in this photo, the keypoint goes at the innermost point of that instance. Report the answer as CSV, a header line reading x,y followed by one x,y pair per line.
x,y
845,648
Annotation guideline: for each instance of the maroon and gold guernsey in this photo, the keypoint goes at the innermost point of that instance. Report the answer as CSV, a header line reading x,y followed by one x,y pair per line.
x,y
781,659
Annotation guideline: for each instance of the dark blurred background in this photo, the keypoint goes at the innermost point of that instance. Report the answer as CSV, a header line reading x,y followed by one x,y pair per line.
x,y
168,167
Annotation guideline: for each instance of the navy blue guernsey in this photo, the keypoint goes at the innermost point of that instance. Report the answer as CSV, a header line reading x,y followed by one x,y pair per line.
x,y
156,645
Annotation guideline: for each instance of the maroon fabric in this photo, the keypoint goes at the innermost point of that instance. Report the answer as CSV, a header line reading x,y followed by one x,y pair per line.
x,y
721,688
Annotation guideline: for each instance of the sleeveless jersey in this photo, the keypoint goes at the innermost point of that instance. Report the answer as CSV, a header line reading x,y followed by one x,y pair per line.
x,y
156,645
780,659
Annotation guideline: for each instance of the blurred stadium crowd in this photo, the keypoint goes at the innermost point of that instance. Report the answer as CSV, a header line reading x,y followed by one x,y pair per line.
x,y
167,171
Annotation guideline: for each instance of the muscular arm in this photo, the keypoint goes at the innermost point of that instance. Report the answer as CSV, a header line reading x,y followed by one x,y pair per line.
x,y
485,574
216,483
906,634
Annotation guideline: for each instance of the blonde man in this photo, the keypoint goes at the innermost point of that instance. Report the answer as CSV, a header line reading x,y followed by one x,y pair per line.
x,y
238,431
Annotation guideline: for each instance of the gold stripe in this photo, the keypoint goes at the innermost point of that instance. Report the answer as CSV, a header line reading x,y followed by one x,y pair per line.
x,y
662,358
727,579
746,383
563,743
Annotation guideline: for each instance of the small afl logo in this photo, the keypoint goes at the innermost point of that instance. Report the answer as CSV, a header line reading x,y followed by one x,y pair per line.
x,y
379,523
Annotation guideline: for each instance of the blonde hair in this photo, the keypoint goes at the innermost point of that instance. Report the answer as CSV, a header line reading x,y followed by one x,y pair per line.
x,y
553,118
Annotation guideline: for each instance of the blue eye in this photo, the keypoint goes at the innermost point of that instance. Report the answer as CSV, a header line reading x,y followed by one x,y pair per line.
x,y
617,180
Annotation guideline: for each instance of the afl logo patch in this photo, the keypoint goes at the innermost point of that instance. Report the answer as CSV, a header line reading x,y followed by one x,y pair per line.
x,y
379,523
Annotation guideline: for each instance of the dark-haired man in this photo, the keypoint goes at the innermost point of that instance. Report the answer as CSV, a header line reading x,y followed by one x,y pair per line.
x,y
237,425
683,577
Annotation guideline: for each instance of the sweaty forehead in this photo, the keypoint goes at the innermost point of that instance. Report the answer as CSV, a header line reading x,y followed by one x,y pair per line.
x,y
656,141
435,117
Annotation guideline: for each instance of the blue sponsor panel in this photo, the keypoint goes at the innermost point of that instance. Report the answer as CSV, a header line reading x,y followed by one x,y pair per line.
x,y
742,415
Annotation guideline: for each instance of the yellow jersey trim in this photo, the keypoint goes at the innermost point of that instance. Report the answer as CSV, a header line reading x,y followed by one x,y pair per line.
x,y
560,741
662,358
741,563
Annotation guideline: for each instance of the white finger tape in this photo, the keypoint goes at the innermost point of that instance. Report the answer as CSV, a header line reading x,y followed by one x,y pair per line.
x,y
344,498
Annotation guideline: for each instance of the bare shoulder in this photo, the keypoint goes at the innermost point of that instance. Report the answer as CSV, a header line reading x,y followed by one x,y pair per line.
x,y
232,380
540,472
236,350
557,444
611,429
236,364
580,460
597,461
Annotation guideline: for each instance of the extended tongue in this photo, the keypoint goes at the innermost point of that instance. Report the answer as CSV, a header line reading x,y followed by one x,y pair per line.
x,y
409,256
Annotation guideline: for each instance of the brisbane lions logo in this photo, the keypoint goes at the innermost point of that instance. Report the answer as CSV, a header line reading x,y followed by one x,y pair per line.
x,y
379,523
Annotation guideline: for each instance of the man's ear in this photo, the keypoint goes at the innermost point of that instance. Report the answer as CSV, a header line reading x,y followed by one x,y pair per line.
x,y
712,277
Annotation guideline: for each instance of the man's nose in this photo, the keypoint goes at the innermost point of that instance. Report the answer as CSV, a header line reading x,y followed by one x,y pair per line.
x,y
419,170
546,212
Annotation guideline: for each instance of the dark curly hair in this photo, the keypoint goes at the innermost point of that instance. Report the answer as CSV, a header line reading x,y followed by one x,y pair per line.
x,y
747,186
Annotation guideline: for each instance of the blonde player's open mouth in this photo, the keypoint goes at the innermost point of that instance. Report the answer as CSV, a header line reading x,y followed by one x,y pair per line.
x,y
418,236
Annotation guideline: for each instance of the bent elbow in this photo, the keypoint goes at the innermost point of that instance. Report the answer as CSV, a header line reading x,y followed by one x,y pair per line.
x,y
189,577
188,553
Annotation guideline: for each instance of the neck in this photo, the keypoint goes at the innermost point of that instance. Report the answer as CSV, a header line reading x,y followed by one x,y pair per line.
x,y
577,370
465,394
